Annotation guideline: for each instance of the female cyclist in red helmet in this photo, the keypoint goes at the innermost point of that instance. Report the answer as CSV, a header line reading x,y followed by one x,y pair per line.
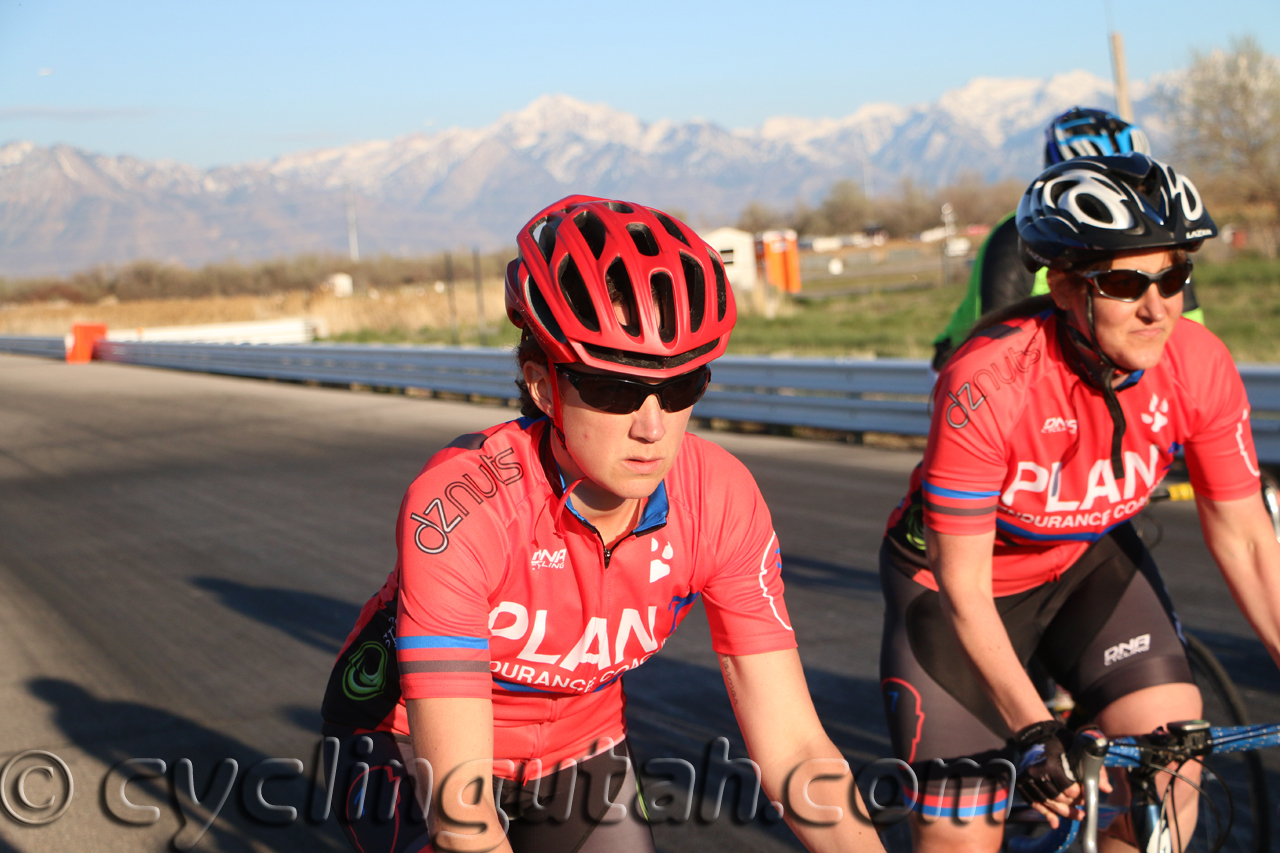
x,y
543,558
1052,425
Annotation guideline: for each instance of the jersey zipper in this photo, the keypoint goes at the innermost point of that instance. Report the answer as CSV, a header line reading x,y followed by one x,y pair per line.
x,y
608,552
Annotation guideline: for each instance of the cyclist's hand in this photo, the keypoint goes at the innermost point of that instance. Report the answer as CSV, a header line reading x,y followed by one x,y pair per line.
x,y
1045,777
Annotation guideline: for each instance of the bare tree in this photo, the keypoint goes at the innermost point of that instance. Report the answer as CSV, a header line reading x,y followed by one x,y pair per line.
x,y
1226,119
845,209
756,217
977,201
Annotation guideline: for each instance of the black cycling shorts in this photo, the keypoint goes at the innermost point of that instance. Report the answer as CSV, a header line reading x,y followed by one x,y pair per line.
x,y
376,804
1106,628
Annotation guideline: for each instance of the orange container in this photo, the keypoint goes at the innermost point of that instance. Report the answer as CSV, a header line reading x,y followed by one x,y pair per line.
x,y
781,260
84,336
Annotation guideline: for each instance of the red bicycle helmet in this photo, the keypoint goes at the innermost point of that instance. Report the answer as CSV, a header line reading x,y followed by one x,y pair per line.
x,y
582,256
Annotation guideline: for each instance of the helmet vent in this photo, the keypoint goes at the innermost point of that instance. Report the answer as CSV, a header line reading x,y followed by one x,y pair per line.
x,y
664,300
542,311
671,228
1058,189
623,296
618,207
1150,188
545,235
722,295
592,230
695,282
1094,208
643,238
575,293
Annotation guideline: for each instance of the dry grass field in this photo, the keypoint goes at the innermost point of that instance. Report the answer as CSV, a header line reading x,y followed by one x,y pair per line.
x,y
1241,300
388,312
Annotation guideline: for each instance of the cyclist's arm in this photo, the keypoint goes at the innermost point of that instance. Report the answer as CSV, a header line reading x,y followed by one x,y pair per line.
x,y
457,735
962,566
1243,542
778,721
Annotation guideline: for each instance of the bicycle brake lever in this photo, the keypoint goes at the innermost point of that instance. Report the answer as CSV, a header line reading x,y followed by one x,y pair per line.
x,y
1091,745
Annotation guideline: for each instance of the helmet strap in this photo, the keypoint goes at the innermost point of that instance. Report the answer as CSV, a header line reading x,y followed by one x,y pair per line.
x,y
1090,362
557,407
557,415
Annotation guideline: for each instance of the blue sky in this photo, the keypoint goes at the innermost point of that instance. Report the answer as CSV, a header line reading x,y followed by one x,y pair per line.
x,y
214,83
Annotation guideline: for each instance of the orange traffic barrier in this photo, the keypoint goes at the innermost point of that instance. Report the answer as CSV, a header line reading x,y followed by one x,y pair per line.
x,y
84,336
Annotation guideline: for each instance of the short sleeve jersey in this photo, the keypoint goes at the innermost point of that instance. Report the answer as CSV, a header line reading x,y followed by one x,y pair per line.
x,y
1020,443
503,591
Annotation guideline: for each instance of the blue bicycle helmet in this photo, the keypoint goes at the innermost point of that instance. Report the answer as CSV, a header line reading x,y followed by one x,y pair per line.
x,y
1084,132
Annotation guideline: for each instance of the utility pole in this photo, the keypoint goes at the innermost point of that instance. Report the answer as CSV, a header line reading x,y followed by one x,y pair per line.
x,y
482,326
353,241
1123,106
453,301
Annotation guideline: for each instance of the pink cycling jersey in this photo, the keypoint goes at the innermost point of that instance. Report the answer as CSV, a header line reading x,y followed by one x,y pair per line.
x,y
503,591
1021,444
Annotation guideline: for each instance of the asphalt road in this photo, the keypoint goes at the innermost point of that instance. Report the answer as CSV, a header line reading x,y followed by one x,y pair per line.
x,y
181,557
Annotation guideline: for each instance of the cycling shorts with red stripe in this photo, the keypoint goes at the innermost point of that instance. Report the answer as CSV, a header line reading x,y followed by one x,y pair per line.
x,y
1106,628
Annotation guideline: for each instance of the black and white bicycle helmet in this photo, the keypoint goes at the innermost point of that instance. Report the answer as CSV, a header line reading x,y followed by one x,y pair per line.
x,y
1082,209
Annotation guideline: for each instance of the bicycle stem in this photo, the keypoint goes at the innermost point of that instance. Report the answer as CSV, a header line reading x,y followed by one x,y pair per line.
x,y
1093,746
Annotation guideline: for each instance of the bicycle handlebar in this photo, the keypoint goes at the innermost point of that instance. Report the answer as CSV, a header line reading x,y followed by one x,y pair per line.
x,y
1092,751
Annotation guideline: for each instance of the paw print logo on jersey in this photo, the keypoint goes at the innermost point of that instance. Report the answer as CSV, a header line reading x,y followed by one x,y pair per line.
x,y
657,568
1156,413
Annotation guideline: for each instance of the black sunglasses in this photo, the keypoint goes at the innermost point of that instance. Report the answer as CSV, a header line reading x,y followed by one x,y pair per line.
x,y
1129,285
619,396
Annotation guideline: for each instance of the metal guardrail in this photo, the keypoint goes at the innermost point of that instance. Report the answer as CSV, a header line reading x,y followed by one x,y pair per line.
x,y
21,345
1262,383
489,373
856,396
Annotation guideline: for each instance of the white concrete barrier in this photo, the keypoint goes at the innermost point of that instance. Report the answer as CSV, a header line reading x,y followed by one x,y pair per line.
x,y
290,330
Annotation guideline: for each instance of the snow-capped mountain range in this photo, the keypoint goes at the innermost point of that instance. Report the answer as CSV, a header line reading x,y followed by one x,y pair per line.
x,y
64,209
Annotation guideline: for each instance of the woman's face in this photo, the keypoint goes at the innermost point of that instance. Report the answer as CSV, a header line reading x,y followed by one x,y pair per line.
x,y
1132,334
623,455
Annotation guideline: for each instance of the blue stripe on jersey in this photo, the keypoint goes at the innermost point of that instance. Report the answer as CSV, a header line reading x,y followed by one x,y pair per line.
x,y
605,684
952,493
523,688
442,642
1054,537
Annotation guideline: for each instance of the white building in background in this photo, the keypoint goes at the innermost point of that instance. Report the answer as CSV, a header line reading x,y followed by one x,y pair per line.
x,y
738,251
341,284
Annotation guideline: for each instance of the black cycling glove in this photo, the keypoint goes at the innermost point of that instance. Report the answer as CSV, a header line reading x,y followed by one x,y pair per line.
x,y
1043,769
